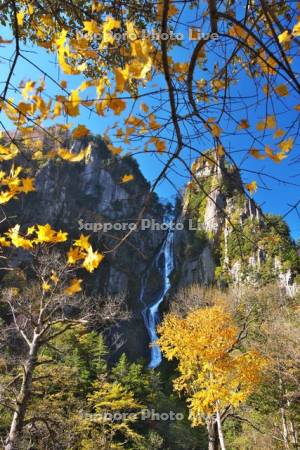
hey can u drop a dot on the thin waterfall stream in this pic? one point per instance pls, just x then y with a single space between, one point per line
151 312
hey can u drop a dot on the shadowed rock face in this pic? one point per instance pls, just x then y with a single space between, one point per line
74 196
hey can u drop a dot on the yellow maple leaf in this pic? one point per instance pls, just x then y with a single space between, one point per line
74 255
54 277
215 129
127 178
114 150
268 122
82 242
121 77
144 107
46 234
218 84
171 11
61 236
71 157
27 185
80 131
91 27
278 133
63 51
244 124
67 68
282 90
256 153
152 122
284 37
117 105
46 286
276 157
20 18
181 68
92 260
4 242
8 153
251 187
159 144
72 104
107 37
29 86
286 145
17 240
74 287
30 230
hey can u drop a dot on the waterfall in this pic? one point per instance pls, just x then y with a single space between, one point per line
151 312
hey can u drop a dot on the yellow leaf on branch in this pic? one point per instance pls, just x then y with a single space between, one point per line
91 27
107 35
74 157
251 187
276 157
74 287
117 105
20 18
268 122
244 124
278 133
256 153
92 260
114 150
159 144
82 242
80 131
286 145
282 90
8 153
284 37
127 178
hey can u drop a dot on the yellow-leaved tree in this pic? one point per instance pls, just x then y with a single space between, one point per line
215 374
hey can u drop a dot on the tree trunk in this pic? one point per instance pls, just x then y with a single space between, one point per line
285 432
23 397
220 431
293 431
212 431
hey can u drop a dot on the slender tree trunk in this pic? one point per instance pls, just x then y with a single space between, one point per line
212 431
23 397
285 431
294 437
220 431
293 431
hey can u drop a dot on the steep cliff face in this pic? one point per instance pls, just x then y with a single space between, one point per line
82 197
225 237
232 241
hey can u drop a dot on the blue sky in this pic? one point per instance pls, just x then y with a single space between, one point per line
274 196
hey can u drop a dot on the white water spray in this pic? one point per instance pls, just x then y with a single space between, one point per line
151 312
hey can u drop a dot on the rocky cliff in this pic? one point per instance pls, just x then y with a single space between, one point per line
226 238
84 196
232 241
